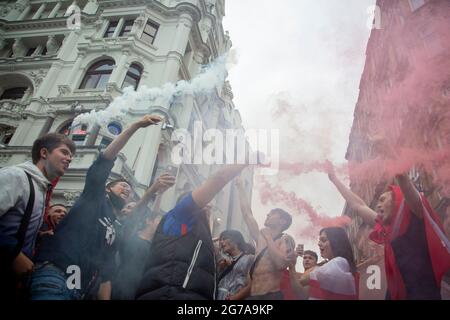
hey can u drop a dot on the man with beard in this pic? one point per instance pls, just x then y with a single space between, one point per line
69 263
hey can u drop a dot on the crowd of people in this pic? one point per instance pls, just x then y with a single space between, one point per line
110 245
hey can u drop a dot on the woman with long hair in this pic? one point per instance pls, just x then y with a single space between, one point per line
337 279
233 279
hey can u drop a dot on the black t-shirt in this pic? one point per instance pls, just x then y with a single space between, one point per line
86 237
414 262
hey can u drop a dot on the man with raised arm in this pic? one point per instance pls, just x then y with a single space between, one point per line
68 264
416 249
182 262
274 250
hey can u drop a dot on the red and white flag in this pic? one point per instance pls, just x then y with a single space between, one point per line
333 281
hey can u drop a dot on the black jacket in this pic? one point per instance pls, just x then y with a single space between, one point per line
181 267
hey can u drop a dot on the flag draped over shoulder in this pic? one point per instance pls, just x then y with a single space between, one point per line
333 281
437 243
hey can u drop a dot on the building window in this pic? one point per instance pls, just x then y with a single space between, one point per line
78 134
30 52
416 4
14 93
133 77
115 128
98 75
150 31
126 29
111 29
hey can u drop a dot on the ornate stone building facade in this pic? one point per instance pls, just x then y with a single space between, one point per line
51 71
412 34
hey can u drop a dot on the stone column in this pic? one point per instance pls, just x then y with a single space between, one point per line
47 125
49 80
178 47
118 28
24 13
138 24
52 45
101 26
66 51
18 47
119 70
75 70
2 43
55 10
17 9
39 12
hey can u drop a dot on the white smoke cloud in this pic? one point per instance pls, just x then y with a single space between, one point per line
210 77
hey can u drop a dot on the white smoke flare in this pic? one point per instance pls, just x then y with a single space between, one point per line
210 77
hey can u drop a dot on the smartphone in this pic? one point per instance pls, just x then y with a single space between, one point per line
172 170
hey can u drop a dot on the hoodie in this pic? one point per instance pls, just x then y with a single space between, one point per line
14 195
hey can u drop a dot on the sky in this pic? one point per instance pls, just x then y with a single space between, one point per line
307 57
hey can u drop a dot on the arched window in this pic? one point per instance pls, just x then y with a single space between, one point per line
98 75
133 76
16 93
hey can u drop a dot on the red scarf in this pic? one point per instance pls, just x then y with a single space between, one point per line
437 242
48 197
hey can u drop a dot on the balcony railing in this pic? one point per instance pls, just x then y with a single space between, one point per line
13 108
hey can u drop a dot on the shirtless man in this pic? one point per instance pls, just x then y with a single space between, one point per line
273 250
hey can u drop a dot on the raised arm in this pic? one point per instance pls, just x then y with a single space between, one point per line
164 182
208 189
412 196
353 200
118 143
246 209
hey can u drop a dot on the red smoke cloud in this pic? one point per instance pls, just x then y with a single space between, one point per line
299 207
406 101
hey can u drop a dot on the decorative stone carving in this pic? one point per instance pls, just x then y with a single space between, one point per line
4 159
112 88
77 158
140 20
5 10
15 109
99 24
63 90
206 26
199 58
210 5
21 5
52 45
38 76
71 197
